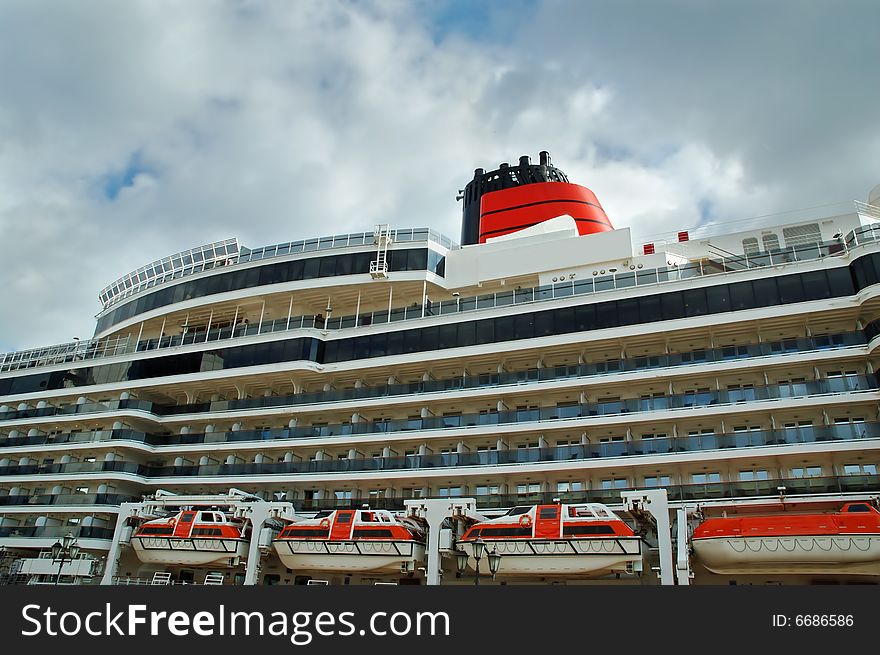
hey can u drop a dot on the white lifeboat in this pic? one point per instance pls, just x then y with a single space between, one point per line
843 541
191 538
583 540
352 541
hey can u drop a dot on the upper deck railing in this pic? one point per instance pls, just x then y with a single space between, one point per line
229 253
700 268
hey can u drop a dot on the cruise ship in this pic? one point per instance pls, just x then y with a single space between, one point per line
548 402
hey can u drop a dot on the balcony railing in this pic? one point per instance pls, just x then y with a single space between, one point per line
617 449
703 356
113 500
99 348
51 532
843 484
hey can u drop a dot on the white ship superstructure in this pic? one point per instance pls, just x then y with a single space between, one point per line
368 371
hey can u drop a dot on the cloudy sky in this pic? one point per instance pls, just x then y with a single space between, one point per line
132 130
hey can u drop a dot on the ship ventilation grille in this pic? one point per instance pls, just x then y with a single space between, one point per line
800 235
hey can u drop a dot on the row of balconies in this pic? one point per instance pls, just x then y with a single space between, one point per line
425 386
558 416
289 464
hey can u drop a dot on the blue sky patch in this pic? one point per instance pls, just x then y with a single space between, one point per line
117 180
480 20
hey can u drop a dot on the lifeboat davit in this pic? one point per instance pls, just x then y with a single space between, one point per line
846 541
192 538
545 540
352 541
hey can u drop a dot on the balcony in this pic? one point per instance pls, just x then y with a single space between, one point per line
486 381
610 450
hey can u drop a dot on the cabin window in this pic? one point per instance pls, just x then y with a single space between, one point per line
187 518
860 469
751 476
516 511
445 492
704 478
657 481
806 472
344 517
376 533
506 532
615 483
549 512
858 508
566 486
798 424
208 516
206 532
579 530
149 530
306 532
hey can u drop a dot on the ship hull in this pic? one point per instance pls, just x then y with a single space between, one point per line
824 554
190 552
349 556
576 557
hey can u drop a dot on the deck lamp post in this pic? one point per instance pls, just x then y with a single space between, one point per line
479 548
64 551
494 562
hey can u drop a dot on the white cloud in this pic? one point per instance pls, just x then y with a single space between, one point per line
274 121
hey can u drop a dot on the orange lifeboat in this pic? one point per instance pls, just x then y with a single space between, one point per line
845 541
352 541
192 538
544 540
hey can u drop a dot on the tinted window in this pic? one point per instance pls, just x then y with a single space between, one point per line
650 309
467 333
544 324
606 315
741 296
584 317
628 311
695 302
673 305
575 530
523 326
766 292
718 299
791 289
840 282
549 512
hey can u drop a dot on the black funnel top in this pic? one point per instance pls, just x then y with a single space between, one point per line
504 177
